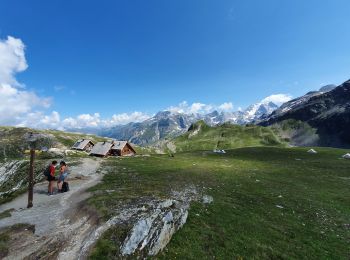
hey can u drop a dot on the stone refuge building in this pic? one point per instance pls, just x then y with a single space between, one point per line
83 145
113 148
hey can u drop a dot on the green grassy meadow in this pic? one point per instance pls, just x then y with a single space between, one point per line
226 136
269 202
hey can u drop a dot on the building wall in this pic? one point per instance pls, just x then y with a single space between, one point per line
88 147
127 151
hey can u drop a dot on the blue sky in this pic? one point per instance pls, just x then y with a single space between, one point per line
113 57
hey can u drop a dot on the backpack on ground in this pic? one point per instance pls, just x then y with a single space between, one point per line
47 171
65 186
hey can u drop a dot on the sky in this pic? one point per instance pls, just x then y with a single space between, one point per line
67 63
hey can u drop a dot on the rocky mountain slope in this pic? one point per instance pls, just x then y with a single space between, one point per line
327 112
297 102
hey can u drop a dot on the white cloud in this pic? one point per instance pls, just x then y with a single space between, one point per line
39 119
82 121
95 120
199 108
227 106
15 101
124 118
12 60
277 99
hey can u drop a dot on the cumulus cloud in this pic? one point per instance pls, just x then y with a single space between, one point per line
277 99
12 60
124 118
227 106
95 120
39 119
199 108
82 121
15 101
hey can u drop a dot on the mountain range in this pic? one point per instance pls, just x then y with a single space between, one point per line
325 113
166 124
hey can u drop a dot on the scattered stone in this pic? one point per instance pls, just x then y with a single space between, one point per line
346 156
207 199
280 196
219 151
312 151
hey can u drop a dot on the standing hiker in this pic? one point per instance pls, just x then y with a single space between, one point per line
50 174
63 175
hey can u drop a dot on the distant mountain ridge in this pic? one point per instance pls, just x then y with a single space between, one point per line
327 111
297 102
166 124
323 111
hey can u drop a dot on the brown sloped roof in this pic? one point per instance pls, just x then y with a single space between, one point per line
101 148
118 145
80 144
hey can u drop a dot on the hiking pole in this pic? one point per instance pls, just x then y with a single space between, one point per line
31 178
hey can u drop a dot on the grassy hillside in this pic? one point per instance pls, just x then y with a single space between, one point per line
227 136
269 202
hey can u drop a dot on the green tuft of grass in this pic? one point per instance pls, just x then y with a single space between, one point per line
6 213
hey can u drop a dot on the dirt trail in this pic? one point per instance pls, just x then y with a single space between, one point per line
57 219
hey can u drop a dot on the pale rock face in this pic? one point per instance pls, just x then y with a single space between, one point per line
7 170
154 223
138 234
154 230
346 156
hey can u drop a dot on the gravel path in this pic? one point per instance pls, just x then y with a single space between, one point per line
53 216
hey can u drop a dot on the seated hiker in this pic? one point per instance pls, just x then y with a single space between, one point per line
63 175
51 177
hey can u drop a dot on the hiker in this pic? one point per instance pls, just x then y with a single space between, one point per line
63 175
51 177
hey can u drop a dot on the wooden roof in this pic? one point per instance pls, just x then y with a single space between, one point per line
119 145
81 144
101 148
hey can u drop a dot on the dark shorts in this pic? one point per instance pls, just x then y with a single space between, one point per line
50 178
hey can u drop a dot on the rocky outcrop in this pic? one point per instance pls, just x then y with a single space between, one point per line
152 222
8 170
